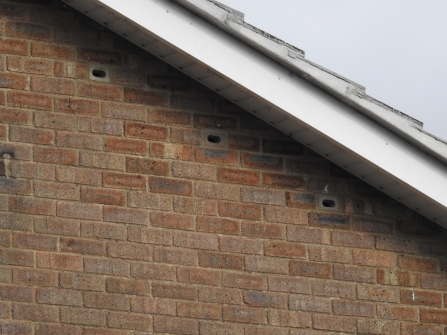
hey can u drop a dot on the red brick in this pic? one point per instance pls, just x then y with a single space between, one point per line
146 131
284 249
193 171
175 325
123 111
13 327
241 142
172 151
170 186
82 316
198 276
100 91
175 221
221 260
102 161
283 181
35 241
285 215
35 277
32 205
125 215
336 221
76 175
52 85
244 314
14 186
28 30
194 205
337 323
174 291
76 140
263 162
185 136
79 210
147 166
330 255
221 328
195 240
76 106
264 299
107 266
80 281
153 306
374 258
352 239
240 211
329 288
367 326
135 147
395 277
103 196
16 293
262 230
434 316
217 156
310 269
55 329
217 225
415 328
418 297
31 170
413 263
166 116
56 226
149 200
238 176
3 131
354 308
47 260
266 264
300 200
14 47
57 296
130 251
127 286
152 271
240 245
98 56
56 190
35 313
100 125
244 281
70 70
55 156
31 135
17 151
129 321
149 235
216 191
220 295
377 293
54 121
262 196
433 281
354 273
126 181
397 312
214 121
144 97
12 80
199 311
16 257
29 100
81 246
289 284
175 255
286 318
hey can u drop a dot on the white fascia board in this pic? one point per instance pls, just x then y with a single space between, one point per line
276 85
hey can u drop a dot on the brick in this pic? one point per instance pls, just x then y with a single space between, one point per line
300 200
393 243
47 260
170 186
354 308
211 224
15 186
153 306
288 284
377 293
193 171
220 328
152 271
54 121
125 215
372 225
57 296
55 156
334 186
16 257
175 255
260 330
123 180
241 142
292 319
262 196
214 122
13 47
366 326
329 220
194 205
198 276
334 289
31 135
174 291
336 323
238 176
172 83
374 258
166 116
123 111
414 328
285 215
283 181
17 151
397 313
70 70
13 327
352 239
127 286
13 81
146 131
134 147
266 264
56 190
54 329
79 210
433 316
175 325
52 85
419 297
82 316
216 191
262 162
31 170
330 255
239 211
103 196
195 240
3 132
400 278
100 125
244 314
35 277
82 246
199 310
102 161
413 263
130 251
16 293
35 241
244 281
310 304
27 30
129 321
76 140
284 249
433 281
310 269
115 267
215 156
145 97
149 235
32 205
56 226
35 313
100 91
191 103
219 295
29 100
147 166
308 166
98 56
264 299
76 175
221 260
129 78
185 136
282 147
76 106
149 200
262 230
240 245
354 273
5 274
172 151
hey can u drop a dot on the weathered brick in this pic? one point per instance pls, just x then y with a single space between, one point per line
76 106
152 271
266 264
329 220
310 269
76 140
175 255
146 131
103 196
185 136
217 225
54 120
134 147
220 295
221 328
372 225
32 205
337 323
329 288
35 241
29 100
54 329
147 166
129 321
244 281
83 176
70 70
57 296
397 312
195 240
262 162
198 276
244 314
55 156
172 151
355 308
35 277
56 190
238 176
352 239
98 56
377 293
300 200
242 142
174 291
170 186
100 91
262 196
100 125
13 81
82 246
310 304
284 249
286 318
56 226
27 30
14 47
31 135
216 191
148 305
214 121
285 215
240 211
30 170
216 156
115 267
15 186
413 263
14 327
400 278
79 210
194 205
265 299
354 273
35 313
52 85
126 215
130 250
102 160
414 328
193 171
47 260
433 281
419 297
288 284
221 260
124 180
373 327
329 254
283 181
175 325
262 230
199 310
240 245
149 235
191 103
82 316
167 116
434 316
149 200
144 97
127 286
374 258
16 257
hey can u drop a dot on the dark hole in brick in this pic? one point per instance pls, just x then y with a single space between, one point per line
329 203
99 73
214 139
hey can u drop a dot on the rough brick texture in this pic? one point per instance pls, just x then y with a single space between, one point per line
116 219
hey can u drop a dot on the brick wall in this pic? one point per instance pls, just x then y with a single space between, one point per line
118 217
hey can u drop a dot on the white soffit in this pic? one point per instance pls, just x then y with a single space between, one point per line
271 79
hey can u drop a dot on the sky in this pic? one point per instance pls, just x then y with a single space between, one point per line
397 49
